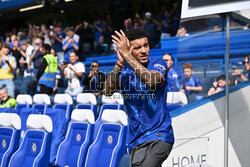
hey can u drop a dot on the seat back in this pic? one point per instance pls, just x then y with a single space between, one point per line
23 101
116 98
24 114
34 149
63 99
41 108
87 101
66 108
59 131
103 108
10 124
110 144
41 99
176 98
79 137
86 98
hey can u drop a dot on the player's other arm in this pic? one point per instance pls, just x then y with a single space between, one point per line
112 82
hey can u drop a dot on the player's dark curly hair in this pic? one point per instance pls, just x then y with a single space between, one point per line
133 34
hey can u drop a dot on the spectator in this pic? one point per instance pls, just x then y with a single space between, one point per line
102 47
20 37
216 28
182 32
37 55
127 24
137 24
246 27
237 73
7 68
166 25
70 44
46 34
218 86
98 29
85 32
58 73
94 81
28 54
150 27
173 77
16 52
109 29
57 39
6 100
46 75
74 72
190 84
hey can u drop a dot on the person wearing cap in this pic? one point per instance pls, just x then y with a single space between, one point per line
6 100
7 68
150 27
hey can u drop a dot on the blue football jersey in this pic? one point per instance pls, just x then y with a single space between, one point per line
146 108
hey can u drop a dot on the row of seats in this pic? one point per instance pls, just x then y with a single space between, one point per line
87 101
93 143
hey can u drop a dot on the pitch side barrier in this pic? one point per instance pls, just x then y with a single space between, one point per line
199 130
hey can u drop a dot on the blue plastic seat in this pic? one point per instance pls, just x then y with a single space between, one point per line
23 101
24 114
87 101
59 131
73 150
110 144
41 102
10 124
65 102
35 148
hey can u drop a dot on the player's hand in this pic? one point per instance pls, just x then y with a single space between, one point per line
122 43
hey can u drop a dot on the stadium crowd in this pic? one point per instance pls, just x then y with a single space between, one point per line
23 62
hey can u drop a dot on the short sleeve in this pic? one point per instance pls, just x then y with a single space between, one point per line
159 66
80 67
197 82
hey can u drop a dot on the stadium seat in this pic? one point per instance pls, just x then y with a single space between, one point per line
73 150
10 124
41 102
110 144
24 114
35 148
65 102
116 98
175 100
59 131
103 108
23 101
87 101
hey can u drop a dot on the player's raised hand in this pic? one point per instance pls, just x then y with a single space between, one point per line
122 43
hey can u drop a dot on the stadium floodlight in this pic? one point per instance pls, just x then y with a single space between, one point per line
31 7
68 0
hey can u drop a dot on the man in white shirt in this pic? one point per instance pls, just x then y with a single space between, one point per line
74 72
28 53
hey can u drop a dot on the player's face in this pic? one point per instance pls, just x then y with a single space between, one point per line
140 50
188 72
